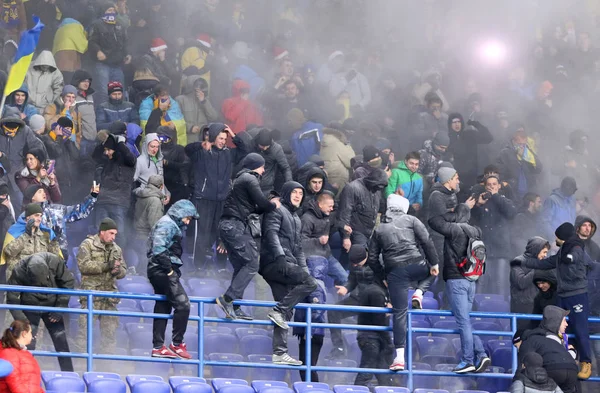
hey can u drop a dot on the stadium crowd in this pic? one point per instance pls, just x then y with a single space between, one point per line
290 148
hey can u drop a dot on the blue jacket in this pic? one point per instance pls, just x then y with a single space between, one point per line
317 267
107 113
557 210
133 131
257 84
57 217
165 238
307 141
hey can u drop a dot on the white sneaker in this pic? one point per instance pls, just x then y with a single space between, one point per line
286 359
417 302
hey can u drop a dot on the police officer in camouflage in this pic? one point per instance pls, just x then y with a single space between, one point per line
101 263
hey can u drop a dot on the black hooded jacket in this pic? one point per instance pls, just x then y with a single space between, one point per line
110 39
591 247
176 165
360 201
522 288
314 225
535 380
441 201
555 355
281 231
246 197
310 196
494 220
44 270
543 299
275 160
115 175
456 231
462 148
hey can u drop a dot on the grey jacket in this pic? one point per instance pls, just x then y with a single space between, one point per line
195 113
145 166
522 288
44 86
148 209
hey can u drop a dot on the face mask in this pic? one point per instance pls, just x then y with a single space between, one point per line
10 131
110 18
115 102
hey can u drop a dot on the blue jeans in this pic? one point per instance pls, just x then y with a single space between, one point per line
461 293
118 214
105 74
336 271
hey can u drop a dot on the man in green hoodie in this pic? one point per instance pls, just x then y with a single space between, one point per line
407 182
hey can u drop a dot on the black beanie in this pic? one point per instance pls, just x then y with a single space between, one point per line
30 192
264 138
357 254
253 161
65 122
111 143
565 231
370 153
39 154
118 128
107 224
33 208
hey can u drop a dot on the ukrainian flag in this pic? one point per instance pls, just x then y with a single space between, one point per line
23 57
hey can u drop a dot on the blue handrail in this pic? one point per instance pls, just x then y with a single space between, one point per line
201 319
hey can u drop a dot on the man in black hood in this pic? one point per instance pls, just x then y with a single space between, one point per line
176 164
545 281
548 341
533 377
275 160
360 202
314 186
522 288
586 229
463 141
283 266
572 265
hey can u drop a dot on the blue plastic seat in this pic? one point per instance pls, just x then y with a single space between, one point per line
495 344
300 387
429 391
219 383
259 385
243 332
227 372
48 375
66 384
107 385
151 387
134 379
433 346
193 388
493 306
236 389
471 391
137 287
493 326
128 303
391 389
256 344
216 329
92 376
220 343
270 374
135 328
350 389
178 380
502 357
147 305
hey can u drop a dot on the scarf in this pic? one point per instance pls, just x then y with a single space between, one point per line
11 132
165 119
110 18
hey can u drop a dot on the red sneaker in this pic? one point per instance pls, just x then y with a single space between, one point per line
180 350
163 352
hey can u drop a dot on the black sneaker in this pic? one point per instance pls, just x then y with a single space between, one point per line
278 319
483 364
227 307
464 367
240 314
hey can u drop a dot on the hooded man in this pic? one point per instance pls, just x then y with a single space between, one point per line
159 109
238 110
522 288
314 161
371 160
586 229
314 185
572 265
275 160
360 202
399 239
197 109
44 270
84 107
116 108
150 162
283 266
176 164
462 146
432 155
527 223
148 210
211 164
307 136
548 340
533 378
545 281
18 99
164 263
239 230
44 80
560 206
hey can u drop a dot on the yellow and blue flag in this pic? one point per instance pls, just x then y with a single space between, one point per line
23 57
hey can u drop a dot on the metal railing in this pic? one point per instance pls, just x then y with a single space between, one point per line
201 362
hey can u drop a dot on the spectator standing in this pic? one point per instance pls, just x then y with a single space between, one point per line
84 107
545 281
150 162
176 164
337 154
307 136
70 43
44 80
148 210
19 99
153 62
100 261
560 206
64 106
197 109
164 263
275 160
26 375
44 270
37 171
406 177
238 110
586 229
432 156
237 227
116 108
431 122
371 160
527 223
159 109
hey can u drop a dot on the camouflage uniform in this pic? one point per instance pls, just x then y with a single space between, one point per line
27 245
96 260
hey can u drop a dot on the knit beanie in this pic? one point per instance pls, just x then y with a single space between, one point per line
33 208
64 122
446 174
357 254
114 86
111 143
37 122
441 139
370 153
253 161
565 231
264 137
30 192
107 224
68 89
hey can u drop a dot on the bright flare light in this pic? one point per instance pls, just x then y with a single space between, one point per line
493 52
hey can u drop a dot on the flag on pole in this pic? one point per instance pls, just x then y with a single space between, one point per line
23 57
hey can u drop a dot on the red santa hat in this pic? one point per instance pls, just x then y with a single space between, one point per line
280 53
158 44
205 40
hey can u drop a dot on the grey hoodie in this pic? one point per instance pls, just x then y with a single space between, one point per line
44 86
148 206
195 113
146 166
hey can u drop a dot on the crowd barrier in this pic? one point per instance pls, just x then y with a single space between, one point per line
201 362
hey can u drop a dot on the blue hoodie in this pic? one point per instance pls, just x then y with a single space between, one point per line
558 209
307 141
317 267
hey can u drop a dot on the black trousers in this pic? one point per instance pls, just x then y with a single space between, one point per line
206 228
376 352
566 379
242 250
289 284
177 300
337 316
316 344
57 334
